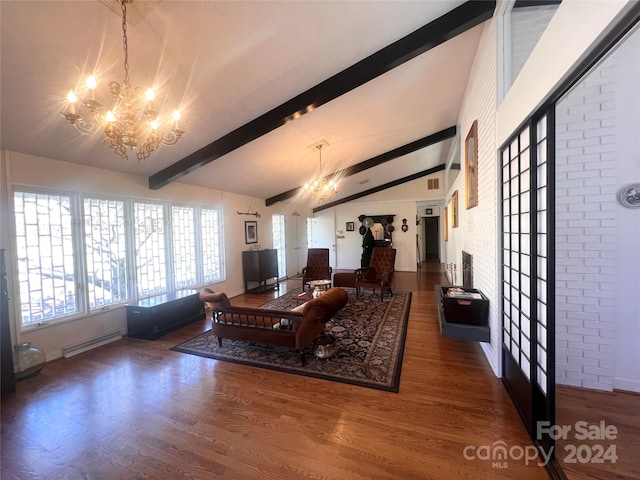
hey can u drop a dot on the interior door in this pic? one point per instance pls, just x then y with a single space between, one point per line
527 275
295 244
432 242
323 235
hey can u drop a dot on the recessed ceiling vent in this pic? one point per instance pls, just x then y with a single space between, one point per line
433 184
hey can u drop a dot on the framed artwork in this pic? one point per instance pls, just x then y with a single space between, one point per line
351 226
446 224
251 231
454 209
471 166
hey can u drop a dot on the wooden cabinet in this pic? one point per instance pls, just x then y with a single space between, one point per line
153 317
259 267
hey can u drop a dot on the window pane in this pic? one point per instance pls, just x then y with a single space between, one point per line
149 236
105 251
184 246
211 244
46 273
278 227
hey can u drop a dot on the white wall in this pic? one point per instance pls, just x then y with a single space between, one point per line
627 221
585 231
349 248
598 261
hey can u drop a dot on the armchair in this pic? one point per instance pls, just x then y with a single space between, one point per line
317 266
379 273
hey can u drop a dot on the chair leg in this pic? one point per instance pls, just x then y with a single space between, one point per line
219 341
302 358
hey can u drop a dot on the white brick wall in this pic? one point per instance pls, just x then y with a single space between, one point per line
477 233
585 235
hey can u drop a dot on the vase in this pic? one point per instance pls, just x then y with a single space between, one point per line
27 360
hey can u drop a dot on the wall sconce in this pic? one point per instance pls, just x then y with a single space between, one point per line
404 227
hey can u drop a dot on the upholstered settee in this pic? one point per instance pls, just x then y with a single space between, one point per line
295 328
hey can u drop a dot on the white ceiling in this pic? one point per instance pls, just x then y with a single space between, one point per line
226 63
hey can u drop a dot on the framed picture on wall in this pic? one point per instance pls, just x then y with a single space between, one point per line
351 226
429 211
251 231
446 223
454 209
471 166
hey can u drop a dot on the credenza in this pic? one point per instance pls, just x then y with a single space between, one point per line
258 268
155 316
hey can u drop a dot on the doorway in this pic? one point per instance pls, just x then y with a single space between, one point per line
431 239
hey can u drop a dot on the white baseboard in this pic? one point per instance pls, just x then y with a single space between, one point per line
626 384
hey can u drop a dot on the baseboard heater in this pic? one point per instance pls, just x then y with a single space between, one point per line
71 350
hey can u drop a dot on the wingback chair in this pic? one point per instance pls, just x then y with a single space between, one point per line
379 273
317 266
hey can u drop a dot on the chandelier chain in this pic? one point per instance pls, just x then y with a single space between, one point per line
124 42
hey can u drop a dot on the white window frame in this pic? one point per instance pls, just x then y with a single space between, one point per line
77 262
128 240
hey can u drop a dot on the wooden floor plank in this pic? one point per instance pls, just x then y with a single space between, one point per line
136 409
616 409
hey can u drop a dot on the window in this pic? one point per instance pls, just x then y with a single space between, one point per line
45 253
211 229
309 232
277 224
105 251
184 246
78 254
149 234
522 26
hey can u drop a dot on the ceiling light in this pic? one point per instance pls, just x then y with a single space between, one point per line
131 123
320 189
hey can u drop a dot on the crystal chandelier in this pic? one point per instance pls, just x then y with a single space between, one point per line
321 189
131 123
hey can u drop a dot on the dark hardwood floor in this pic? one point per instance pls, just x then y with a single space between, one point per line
134 409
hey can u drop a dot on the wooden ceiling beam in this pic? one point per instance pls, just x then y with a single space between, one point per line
380 188
375 161
449 25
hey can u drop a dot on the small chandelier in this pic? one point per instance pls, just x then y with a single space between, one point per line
131 123
321 189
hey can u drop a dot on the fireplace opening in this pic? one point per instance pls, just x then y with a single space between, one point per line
467 270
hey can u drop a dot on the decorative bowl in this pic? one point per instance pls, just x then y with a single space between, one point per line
325 346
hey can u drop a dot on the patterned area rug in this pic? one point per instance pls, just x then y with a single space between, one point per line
370 333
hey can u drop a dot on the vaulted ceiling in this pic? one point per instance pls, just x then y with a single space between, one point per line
258 82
